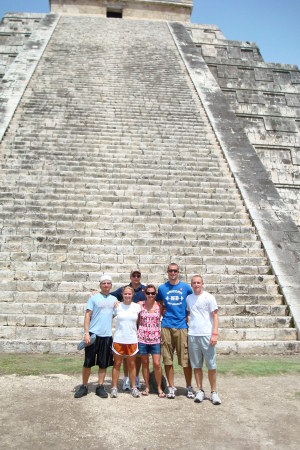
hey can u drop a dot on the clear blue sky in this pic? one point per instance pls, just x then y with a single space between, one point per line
273 24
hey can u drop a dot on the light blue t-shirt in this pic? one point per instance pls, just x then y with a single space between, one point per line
174 298
102 308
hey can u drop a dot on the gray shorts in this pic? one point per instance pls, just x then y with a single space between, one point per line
200 349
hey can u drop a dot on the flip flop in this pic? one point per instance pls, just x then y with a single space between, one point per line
161 394
145 392
82 344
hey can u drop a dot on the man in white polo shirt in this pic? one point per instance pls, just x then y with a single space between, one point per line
203 337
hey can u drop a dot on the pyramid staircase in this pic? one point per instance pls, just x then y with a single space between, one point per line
110 163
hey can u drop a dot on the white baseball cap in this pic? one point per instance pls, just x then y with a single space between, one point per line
105 277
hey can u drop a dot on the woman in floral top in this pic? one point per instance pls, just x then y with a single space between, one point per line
149 338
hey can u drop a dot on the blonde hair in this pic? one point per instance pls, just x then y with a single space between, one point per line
128 287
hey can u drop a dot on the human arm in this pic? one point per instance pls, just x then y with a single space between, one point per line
214 336
86 325
162 308
118 294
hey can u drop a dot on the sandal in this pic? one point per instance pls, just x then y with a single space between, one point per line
161 394
145 392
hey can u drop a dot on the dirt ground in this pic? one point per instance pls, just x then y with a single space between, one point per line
40 412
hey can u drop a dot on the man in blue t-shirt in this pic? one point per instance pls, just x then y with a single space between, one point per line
172 296
98 320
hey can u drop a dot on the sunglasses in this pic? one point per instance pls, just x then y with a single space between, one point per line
150 293
172 270
137 275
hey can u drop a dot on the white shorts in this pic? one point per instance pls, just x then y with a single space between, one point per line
200 349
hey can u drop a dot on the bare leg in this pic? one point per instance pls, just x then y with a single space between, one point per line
212 376
157 371
170 374
132 370
86 372
145 370
116 370
198 377
125 367
138 363
101 375
188 373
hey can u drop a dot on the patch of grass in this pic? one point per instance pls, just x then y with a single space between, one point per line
259 365
254 365
40 364
43 364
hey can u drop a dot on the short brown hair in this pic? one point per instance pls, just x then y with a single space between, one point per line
197 275
150 286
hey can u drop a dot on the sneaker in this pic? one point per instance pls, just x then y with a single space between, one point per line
83 390
171 392
214 398
126 384
137 382
135 392
101 392
189 392
114 393
200 396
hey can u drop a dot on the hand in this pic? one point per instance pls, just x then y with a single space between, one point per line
87 339
116 304
213 339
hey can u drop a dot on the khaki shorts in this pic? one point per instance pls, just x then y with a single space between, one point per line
175 339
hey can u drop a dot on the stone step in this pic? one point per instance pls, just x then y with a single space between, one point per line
124 210
254 296
66 320
236 238
222 282
224 347
120 215
52 331
77 311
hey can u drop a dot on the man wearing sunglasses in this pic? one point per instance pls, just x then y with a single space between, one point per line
138 296
172 296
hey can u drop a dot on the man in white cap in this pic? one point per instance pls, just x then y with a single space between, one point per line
98 320
138 296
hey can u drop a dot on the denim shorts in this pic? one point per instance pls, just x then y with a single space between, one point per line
149 349
200 349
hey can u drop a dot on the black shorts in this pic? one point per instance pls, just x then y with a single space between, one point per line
100 353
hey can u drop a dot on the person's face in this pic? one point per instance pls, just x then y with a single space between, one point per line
197 285
127 296
173 273
150 294
135 279
105 287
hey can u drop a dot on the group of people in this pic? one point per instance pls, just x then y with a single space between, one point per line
175 318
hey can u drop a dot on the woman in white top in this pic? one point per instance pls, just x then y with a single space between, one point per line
125 342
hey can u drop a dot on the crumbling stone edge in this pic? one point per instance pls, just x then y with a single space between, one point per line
18 75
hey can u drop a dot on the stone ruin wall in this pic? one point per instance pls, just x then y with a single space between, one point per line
173 10
266 99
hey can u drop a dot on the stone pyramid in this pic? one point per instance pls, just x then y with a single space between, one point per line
120 150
